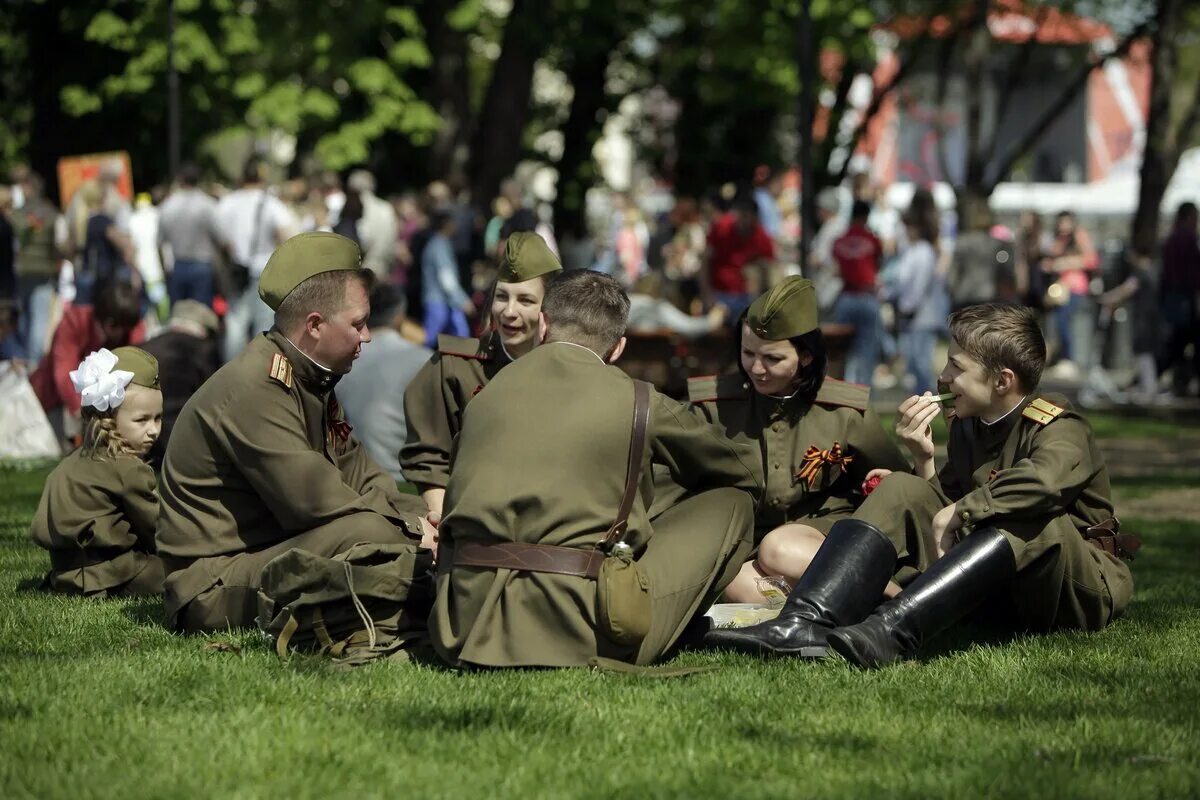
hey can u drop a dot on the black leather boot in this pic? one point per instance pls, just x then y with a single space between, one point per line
954 585
843 583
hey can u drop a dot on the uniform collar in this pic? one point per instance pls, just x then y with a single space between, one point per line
997 431
581 347
314 376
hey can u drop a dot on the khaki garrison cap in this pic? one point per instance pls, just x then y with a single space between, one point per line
300 258
526 256
143 365
196 312
788 310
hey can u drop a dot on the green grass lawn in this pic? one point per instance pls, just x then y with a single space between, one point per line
97 700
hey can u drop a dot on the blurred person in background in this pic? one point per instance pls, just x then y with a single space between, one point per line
446 303
348 219
187 228
822 270
42 238
916 295
736 241
373 392
1070 262
104 253
252 222
143 232
1179 295
112 321
188 353
858 253
377 227
766 190
8 247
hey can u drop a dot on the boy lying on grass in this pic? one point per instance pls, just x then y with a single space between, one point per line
1020 511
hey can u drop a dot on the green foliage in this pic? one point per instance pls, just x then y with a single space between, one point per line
332 76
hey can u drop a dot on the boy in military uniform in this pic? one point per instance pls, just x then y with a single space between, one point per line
538 478
435 399
1021 508
262 461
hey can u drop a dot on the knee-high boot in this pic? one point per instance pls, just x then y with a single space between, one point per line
843 583
954 585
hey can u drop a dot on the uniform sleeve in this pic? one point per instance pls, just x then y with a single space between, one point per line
698 454
139 496
298 485
874 449
1046 482
425 456
364 474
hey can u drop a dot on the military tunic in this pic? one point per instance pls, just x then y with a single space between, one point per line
1038 476
814 465
97 517
436 398
548 466
262 461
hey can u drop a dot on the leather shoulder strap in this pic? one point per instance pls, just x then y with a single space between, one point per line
633 468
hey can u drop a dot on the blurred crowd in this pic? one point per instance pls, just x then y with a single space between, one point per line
178 267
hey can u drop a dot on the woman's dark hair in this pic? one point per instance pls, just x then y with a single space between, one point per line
811 377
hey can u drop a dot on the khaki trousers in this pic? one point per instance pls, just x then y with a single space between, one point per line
697 548
229 598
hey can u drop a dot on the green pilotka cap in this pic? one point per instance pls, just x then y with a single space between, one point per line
143 365
300 258
526 256
788 310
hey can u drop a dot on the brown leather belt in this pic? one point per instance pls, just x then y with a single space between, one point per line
1107 537
530 558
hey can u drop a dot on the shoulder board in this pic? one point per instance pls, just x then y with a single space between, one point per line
461 346
710 388
1042 411
281 369
839 393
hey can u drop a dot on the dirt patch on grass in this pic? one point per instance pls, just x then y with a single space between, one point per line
1166 504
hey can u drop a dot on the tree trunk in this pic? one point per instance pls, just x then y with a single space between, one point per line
496 146
1160 154
450 93
576 168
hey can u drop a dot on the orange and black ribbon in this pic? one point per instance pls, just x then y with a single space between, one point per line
339 429
816 460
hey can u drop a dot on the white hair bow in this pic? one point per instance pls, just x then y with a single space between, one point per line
99 385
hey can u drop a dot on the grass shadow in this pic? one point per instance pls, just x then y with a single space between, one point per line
145 611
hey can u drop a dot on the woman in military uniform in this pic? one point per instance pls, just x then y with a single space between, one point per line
435 399
818 436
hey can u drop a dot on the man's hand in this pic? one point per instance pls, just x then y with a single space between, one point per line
429 533
945 527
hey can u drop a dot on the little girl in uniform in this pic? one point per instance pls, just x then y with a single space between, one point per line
99 506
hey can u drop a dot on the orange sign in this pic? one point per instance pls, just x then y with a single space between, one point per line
74 171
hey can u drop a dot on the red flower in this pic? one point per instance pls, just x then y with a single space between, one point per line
870 483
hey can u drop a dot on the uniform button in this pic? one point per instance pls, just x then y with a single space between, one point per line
966 515
776 466
987 508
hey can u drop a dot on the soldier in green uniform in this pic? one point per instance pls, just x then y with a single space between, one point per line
99 505
1021 511
461 367
539 474
817 436
262 460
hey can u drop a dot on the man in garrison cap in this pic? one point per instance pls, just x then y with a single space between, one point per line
262 460
437 396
